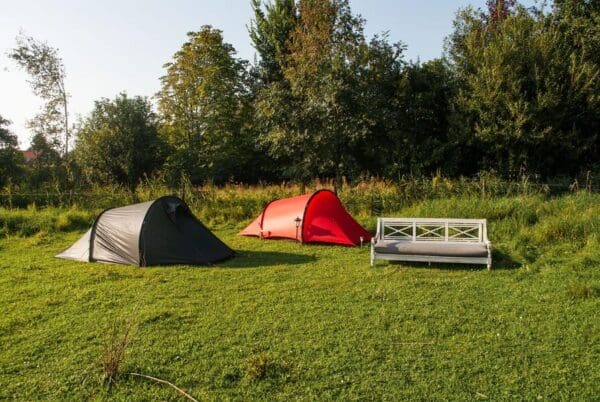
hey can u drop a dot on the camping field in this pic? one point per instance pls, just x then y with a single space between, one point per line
284 321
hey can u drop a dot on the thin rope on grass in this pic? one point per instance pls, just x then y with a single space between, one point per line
191 398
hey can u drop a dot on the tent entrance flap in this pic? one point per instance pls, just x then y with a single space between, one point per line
80 250
183 238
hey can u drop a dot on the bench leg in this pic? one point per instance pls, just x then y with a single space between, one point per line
372 256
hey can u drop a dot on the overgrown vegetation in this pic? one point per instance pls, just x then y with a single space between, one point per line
114 350
31 221
220 205
227 206
288 321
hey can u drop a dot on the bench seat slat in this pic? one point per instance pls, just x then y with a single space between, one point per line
431 248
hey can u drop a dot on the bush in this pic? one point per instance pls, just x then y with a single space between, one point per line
30 221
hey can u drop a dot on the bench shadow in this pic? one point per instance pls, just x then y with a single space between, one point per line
254 259
438 265
500 261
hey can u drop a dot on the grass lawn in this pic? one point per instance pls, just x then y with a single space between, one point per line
285 321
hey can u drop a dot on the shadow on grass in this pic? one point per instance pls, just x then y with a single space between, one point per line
255 259
500 261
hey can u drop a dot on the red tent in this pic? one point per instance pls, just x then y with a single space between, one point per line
311 218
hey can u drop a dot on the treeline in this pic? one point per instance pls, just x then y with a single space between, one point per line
517 92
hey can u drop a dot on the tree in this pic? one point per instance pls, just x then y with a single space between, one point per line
270 32
203 103
322 71
346 107
426 91
47 79
498 11
407 108
273 104
119 142
11 159
529 91
7 138
47 168
577 23
379 151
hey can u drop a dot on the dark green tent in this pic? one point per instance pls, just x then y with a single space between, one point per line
159 232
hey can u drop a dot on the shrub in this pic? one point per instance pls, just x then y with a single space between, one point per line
257 366
30 221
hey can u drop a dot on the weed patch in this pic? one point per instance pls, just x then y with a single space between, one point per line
114 350
261 366
582 291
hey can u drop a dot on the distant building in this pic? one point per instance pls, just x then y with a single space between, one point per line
30 155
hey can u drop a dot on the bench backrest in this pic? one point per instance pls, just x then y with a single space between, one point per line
432 230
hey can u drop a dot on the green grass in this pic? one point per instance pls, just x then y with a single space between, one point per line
285 321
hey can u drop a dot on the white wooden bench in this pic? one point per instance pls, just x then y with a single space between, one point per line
432 240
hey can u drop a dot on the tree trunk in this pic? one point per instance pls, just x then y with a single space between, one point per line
338 183
67 134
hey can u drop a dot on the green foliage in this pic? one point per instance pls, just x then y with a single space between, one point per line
11 160
378 151
48 168
274 106
31 221
270 32
529 89
203 103
518 94
7 139
425 143
326 54
345 106
47 79
119 142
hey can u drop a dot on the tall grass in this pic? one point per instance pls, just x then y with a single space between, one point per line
368 195
234 204
528 227
237 202
33 220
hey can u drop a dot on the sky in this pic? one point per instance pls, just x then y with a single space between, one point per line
114 46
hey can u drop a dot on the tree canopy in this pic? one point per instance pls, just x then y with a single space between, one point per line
119 141
516 92
11 159
47 79
203 103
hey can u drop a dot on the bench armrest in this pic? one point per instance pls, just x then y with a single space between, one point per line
376 237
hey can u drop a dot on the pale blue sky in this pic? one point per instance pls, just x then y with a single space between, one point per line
111 46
